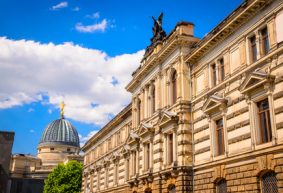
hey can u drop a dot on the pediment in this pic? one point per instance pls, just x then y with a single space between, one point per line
167 117
133 137
254 80
125 149
145 127
213 103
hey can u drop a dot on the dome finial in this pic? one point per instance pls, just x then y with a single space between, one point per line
62 106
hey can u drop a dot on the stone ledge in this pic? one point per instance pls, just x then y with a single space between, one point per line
202 139
238 125
202 150
201 128
278 95
237 113
278 110
239 138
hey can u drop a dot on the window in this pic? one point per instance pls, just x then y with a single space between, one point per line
134 163
220 148
221 186
171 188
269 183
174 87
153 100
221 70
213 75
264 41
52 149
253 49
109 144
116 173
170 148
68 149
264 121
147 156
118 137
139 112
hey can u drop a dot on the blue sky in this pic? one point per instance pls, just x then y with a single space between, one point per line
82 52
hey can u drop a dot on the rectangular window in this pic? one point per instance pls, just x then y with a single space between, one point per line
221 70
213 75
147 154
170 148
109 144
264 121
219 137
253 49
118 138
264 41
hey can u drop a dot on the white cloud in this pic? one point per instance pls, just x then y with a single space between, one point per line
31 131
83 140
76 9
60 5
92 28
48 73
95 15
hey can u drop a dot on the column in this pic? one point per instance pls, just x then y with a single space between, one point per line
252 122
142 106
91 182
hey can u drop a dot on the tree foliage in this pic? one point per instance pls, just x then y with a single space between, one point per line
65 178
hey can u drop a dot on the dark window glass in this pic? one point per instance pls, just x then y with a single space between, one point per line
139 111
174 87
222 69
147 155
264 121
269 183
264 41
253 49
172 189
221 186
170 149
220 137
213 74
153 100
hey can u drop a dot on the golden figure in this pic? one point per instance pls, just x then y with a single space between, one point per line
62 106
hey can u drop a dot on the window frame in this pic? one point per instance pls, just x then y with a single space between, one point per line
174 86
217 141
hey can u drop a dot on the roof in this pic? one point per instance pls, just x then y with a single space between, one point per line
60 132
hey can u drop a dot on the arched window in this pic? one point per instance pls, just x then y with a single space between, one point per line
221 186
148 190
171 188
269 183
153 100
174 87
138 111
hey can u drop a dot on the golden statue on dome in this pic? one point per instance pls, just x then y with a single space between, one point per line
62 107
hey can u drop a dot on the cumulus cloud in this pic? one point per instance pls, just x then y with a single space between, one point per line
101 26
60 5
48 73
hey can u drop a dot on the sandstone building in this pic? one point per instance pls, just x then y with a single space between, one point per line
59 144
206 114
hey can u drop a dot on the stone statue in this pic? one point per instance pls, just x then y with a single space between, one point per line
158 33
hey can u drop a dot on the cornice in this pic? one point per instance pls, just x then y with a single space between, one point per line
232 22
169 45
115 121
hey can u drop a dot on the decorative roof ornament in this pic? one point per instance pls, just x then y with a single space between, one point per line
62 107
158 33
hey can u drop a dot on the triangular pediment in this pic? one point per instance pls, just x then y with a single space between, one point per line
144 128
167 117
254 80
213 103
125 149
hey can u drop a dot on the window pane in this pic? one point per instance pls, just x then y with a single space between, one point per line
253 49
222 186
269 183
264 121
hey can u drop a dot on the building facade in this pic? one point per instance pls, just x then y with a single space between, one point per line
205 114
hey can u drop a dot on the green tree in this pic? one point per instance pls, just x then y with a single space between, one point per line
65 178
